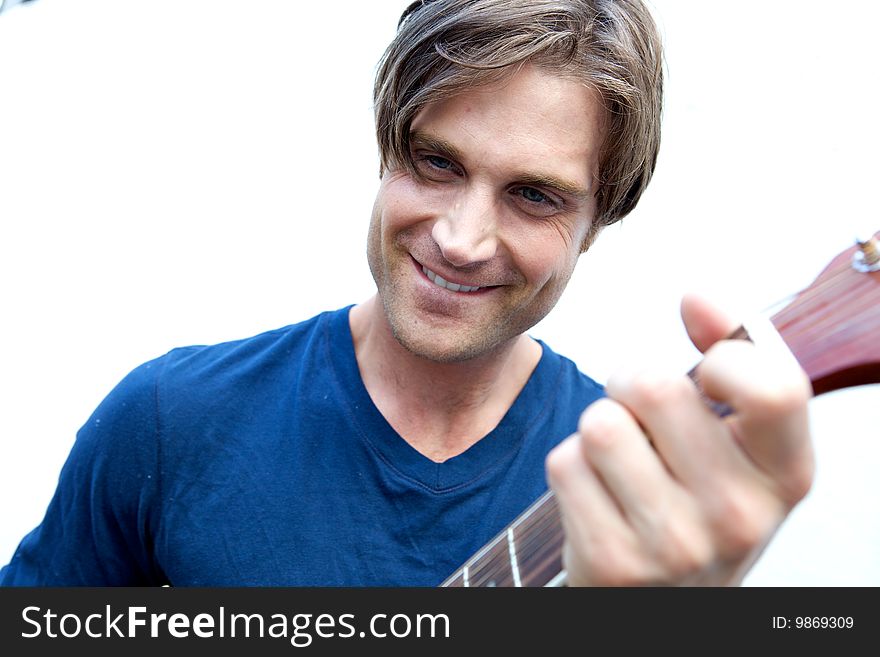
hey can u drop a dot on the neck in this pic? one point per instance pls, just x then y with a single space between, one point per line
440 409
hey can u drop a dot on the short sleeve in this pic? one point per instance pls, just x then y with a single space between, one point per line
98 527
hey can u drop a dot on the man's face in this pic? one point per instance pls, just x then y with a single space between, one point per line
478 248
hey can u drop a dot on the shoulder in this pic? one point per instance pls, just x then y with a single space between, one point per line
249 357
191 397
567 370
569 384
192 380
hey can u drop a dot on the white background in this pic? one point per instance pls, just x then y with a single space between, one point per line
201 170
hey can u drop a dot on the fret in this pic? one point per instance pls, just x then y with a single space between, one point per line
540 542
493 569
488 567
560 580
514 569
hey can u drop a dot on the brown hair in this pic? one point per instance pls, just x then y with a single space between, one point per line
444 47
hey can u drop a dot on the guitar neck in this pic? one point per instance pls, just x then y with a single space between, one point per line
527 553
831 328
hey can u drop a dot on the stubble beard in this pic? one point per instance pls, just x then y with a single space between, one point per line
471 340
421 340
416 337
391 273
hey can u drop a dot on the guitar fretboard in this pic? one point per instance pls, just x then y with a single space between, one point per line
527 553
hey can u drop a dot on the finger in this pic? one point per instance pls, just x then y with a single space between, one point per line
578 488
768 392
595 530
693 443
704 322
668 523
600 548
636 478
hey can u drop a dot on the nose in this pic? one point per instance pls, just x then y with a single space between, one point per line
467 232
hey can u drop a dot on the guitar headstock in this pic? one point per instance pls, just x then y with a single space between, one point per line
833 326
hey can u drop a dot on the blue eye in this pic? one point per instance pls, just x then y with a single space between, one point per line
438 162
436 167
535 202
532 195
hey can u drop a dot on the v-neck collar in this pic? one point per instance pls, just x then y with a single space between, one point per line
483 457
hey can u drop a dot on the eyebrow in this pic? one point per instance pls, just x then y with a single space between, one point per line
564 186
424 140
447 149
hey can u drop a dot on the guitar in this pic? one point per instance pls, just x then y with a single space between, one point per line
833 329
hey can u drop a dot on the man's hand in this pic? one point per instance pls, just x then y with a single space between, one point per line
655 489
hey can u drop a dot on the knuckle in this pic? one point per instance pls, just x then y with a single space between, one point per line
780 398
677 540
743 521
615 566
599 422
795 483
651 390
729 349
560 462
801 482
684 550
768 383
606 560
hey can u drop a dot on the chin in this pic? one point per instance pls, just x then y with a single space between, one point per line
446 348
446 356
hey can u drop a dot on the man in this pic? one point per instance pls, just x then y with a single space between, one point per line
383 444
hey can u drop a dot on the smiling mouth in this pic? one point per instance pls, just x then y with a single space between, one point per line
438 280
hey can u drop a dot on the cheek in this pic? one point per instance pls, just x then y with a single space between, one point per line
403 202
546 255
374 242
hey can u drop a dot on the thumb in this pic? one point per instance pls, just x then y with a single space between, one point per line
705 323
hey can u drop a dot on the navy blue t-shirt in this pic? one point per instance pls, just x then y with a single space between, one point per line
264 462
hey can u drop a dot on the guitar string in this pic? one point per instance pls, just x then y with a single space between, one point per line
814 336
530 537
492 561
814 289
827 294
477 556
498 569
491 549
540 529
542 545
784 304
819 324
815 327
533 534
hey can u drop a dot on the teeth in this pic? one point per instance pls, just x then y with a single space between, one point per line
442 282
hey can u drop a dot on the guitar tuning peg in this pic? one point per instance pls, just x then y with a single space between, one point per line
867 258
